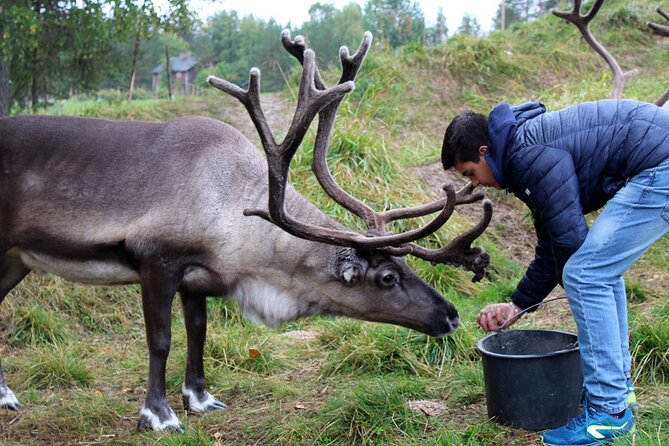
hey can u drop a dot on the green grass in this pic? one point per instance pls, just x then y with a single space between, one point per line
649 341
346 383
76 355
55 367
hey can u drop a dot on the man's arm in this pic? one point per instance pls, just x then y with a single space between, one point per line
540 278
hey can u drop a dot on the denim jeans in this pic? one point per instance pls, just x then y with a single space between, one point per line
636 217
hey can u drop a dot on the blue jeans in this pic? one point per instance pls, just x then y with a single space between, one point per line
636 217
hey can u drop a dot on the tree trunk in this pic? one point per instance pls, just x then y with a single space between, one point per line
46 93
135 58
5 93
34 88
503 18
169 72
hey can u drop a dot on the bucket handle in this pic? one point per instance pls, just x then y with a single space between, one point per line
527 309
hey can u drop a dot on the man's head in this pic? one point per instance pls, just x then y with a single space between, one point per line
464 148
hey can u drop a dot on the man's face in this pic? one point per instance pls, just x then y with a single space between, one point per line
479 173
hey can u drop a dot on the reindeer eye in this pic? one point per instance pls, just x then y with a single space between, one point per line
389 279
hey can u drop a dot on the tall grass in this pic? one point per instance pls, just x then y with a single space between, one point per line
649 341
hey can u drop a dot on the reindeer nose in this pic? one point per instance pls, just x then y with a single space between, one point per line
453 319
454 323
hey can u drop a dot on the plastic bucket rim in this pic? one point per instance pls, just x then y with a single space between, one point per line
484 352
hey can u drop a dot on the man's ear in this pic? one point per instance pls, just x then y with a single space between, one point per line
483 150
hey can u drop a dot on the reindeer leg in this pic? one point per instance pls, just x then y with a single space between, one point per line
195 396
12 271
7 398
159 284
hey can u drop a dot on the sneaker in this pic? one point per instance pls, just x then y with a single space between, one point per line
631 397
591 428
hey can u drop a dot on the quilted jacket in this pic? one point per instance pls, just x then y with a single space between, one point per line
565 164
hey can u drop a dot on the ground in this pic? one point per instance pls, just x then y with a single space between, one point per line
510 220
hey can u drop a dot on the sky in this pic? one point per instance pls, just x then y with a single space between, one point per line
297 11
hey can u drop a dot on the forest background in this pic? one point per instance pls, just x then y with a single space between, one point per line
56 49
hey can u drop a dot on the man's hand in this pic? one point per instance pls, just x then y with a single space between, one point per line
493 316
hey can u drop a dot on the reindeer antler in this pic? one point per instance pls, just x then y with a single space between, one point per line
315 98
661 30
582 21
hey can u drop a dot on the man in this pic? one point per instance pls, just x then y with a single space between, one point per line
612 154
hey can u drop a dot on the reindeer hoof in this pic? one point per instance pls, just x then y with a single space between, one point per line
8 399
11 406
203 403
148 420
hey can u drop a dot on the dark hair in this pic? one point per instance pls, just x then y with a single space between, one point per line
466 133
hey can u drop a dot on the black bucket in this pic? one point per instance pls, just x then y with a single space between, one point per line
533 378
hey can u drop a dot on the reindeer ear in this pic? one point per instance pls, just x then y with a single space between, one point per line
352 274
352 268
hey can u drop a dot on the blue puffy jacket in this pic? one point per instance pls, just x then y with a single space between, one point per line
565 164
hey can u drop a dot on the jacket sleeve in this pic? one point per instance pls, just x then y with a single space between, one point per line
539 279
549 179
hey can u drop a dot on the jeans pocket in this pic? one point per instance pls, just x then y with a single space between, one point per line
665 211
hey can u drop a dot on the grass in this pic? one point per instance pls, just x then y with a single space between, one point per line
317 381
649 341
76 355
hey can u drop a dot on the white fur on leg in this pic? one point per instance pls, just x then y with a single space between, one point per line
153 420
8 399
194 404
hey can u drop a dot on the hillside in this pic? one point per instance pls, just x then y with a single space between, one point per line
76 355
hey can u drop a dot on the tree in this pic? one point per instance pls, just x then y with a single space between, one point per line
17 36
395 22
545 6
328 28
59 47
320 31
49 47
89 48
521 11
260 46
469 25
238 44
223 33
143 19
439 32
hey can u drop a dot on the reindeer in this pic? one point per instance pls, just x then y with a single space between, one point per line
190 206
582 23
